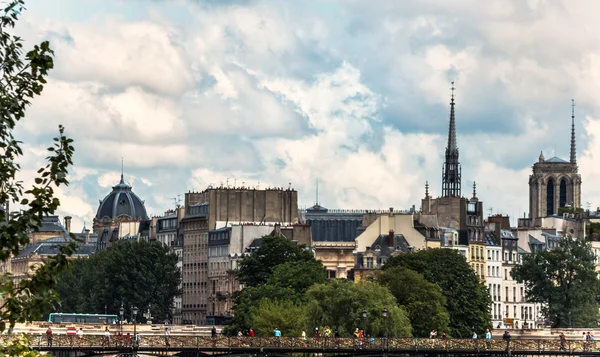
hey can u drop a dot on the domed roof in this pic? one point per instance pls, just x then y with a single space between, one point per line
121 202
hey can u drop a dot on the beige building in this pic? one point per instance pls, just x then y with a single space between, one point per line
215 208
336 256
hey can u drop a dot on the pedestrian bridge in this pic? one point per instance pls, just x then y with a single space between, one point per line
153 345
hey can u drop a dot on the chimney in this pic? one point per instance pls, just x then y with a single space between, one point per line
87 236
68 224
391 211
391 238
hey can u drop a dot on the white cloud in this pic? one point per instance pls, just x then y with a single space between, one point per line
351 93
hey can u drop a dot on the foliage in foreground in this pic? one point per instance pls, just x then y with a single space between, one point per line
142 274
339 304
22 77
423 301
286 280
565 281
468 301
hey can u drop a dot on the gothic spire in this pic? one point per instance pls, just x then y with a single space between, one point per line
452 127
573 154
451 171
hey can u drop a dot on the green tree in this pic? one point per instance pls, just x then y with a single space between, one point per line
287 284
423 301
467 299
285 315
564 280
142 274
256 268
22 77
339 304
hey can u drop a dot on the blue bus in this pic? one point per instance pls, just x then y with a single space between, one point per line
58 318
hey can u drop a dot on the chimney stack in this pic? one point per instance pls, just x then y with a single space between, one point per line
391 211
87 236
68 224
391 238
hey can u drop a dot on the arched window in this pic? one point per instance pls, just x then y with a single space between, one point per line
563 193
550 198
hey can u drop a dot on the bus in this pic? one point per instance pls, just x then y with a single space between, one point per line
58 318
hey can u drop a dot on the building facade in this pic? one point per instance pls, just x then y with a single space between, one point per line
216 208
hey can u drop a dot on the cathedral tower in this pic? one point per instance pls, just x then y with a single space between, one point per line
555 183
451 169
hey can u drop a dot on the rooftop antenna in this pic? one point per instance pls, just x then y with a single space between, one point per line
227 182
122 170
426 189
289 185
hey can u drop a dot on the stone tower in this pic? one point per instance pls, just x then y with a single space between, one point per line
555 182
451 169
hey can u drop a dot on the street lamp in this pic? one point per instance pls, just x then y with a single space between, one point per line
384 313
134 311
364 317
121 312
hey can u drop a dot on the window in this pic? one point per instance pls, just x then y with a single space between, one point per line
369 262
330 274
514 294
505 275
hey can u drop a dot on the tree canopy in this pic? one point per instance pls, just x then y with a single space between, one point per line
423 301
286 281
132 273
339 304
257 268
564 280
467 299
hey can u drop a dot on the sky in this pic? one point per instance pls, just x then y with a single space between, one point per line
354 94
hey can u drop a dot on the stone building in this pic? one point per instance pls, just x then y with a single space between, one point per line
555 183
46 242
121 215
215 208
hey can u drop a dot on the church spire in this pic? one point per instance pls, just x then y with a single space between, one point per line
452 127
451 169
573 153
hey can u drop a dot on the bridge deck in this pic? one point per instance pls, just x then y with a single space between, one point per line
223 344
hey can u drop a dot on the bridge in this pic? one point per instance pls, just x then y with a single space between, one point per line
198 346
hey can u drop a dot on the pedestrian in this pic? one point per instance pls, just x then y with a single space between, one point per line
488 338
251 333
167 334
563 342
106 336
49 336
474 340
213 332
506 338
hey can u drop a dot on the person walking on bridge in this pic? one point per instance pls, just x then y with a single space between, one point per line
49 336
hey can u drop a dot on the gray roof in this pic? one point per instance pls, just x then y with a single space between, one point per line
533 240
121 202
51 247
557 160
52 224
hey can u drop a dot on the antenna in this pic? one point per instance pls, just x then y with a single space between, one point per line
289 185
228 182
491 209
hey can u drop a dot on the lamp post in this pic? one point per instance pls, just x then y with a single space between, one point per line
134 311
121 312
364 317
384 313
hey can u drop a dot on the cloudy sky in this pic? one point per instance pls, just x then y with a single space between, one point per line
352 93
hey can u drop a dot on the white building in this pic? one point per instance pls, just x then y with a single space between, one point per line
494 277
169 234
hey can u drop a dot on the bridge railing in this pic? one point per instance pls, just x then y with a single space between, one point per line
224 342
